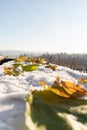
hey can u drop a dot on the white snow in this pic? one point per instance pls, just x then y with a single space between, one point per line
13 91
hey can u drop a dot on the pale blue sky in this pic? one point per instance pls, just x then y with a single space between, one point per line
44 25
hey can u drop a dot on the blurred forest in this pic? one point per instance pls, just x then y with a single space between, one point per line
73 61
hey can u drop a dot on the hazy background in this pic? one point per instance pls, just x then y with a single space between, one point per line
44 25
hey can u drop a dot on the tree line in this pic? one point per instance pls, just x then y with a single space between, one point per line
73 61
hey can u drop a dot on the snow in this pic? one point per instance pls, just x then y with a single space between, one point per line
72 121
13 91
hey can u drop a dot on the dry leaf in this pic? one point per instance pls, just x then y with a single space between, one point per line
20 59
65 89
82 80
11 71
35 60
53 67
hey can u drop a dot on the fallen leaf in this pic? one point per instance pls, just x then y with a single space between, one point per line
47 111
29 67
53 67
15 65
82 80
35 60
65 89
11 71
20 59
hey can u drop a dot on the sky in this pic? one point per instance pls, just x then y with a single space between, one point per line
44 25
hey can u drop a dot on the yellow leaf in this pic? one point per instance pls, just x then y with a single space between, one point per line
20 59
35 60
82 80
65 89
8 70
11 71
47 111
74 91
53 67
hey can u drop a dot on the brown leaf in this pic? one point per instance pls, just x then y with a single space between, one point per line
53 67
11 71
65 89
